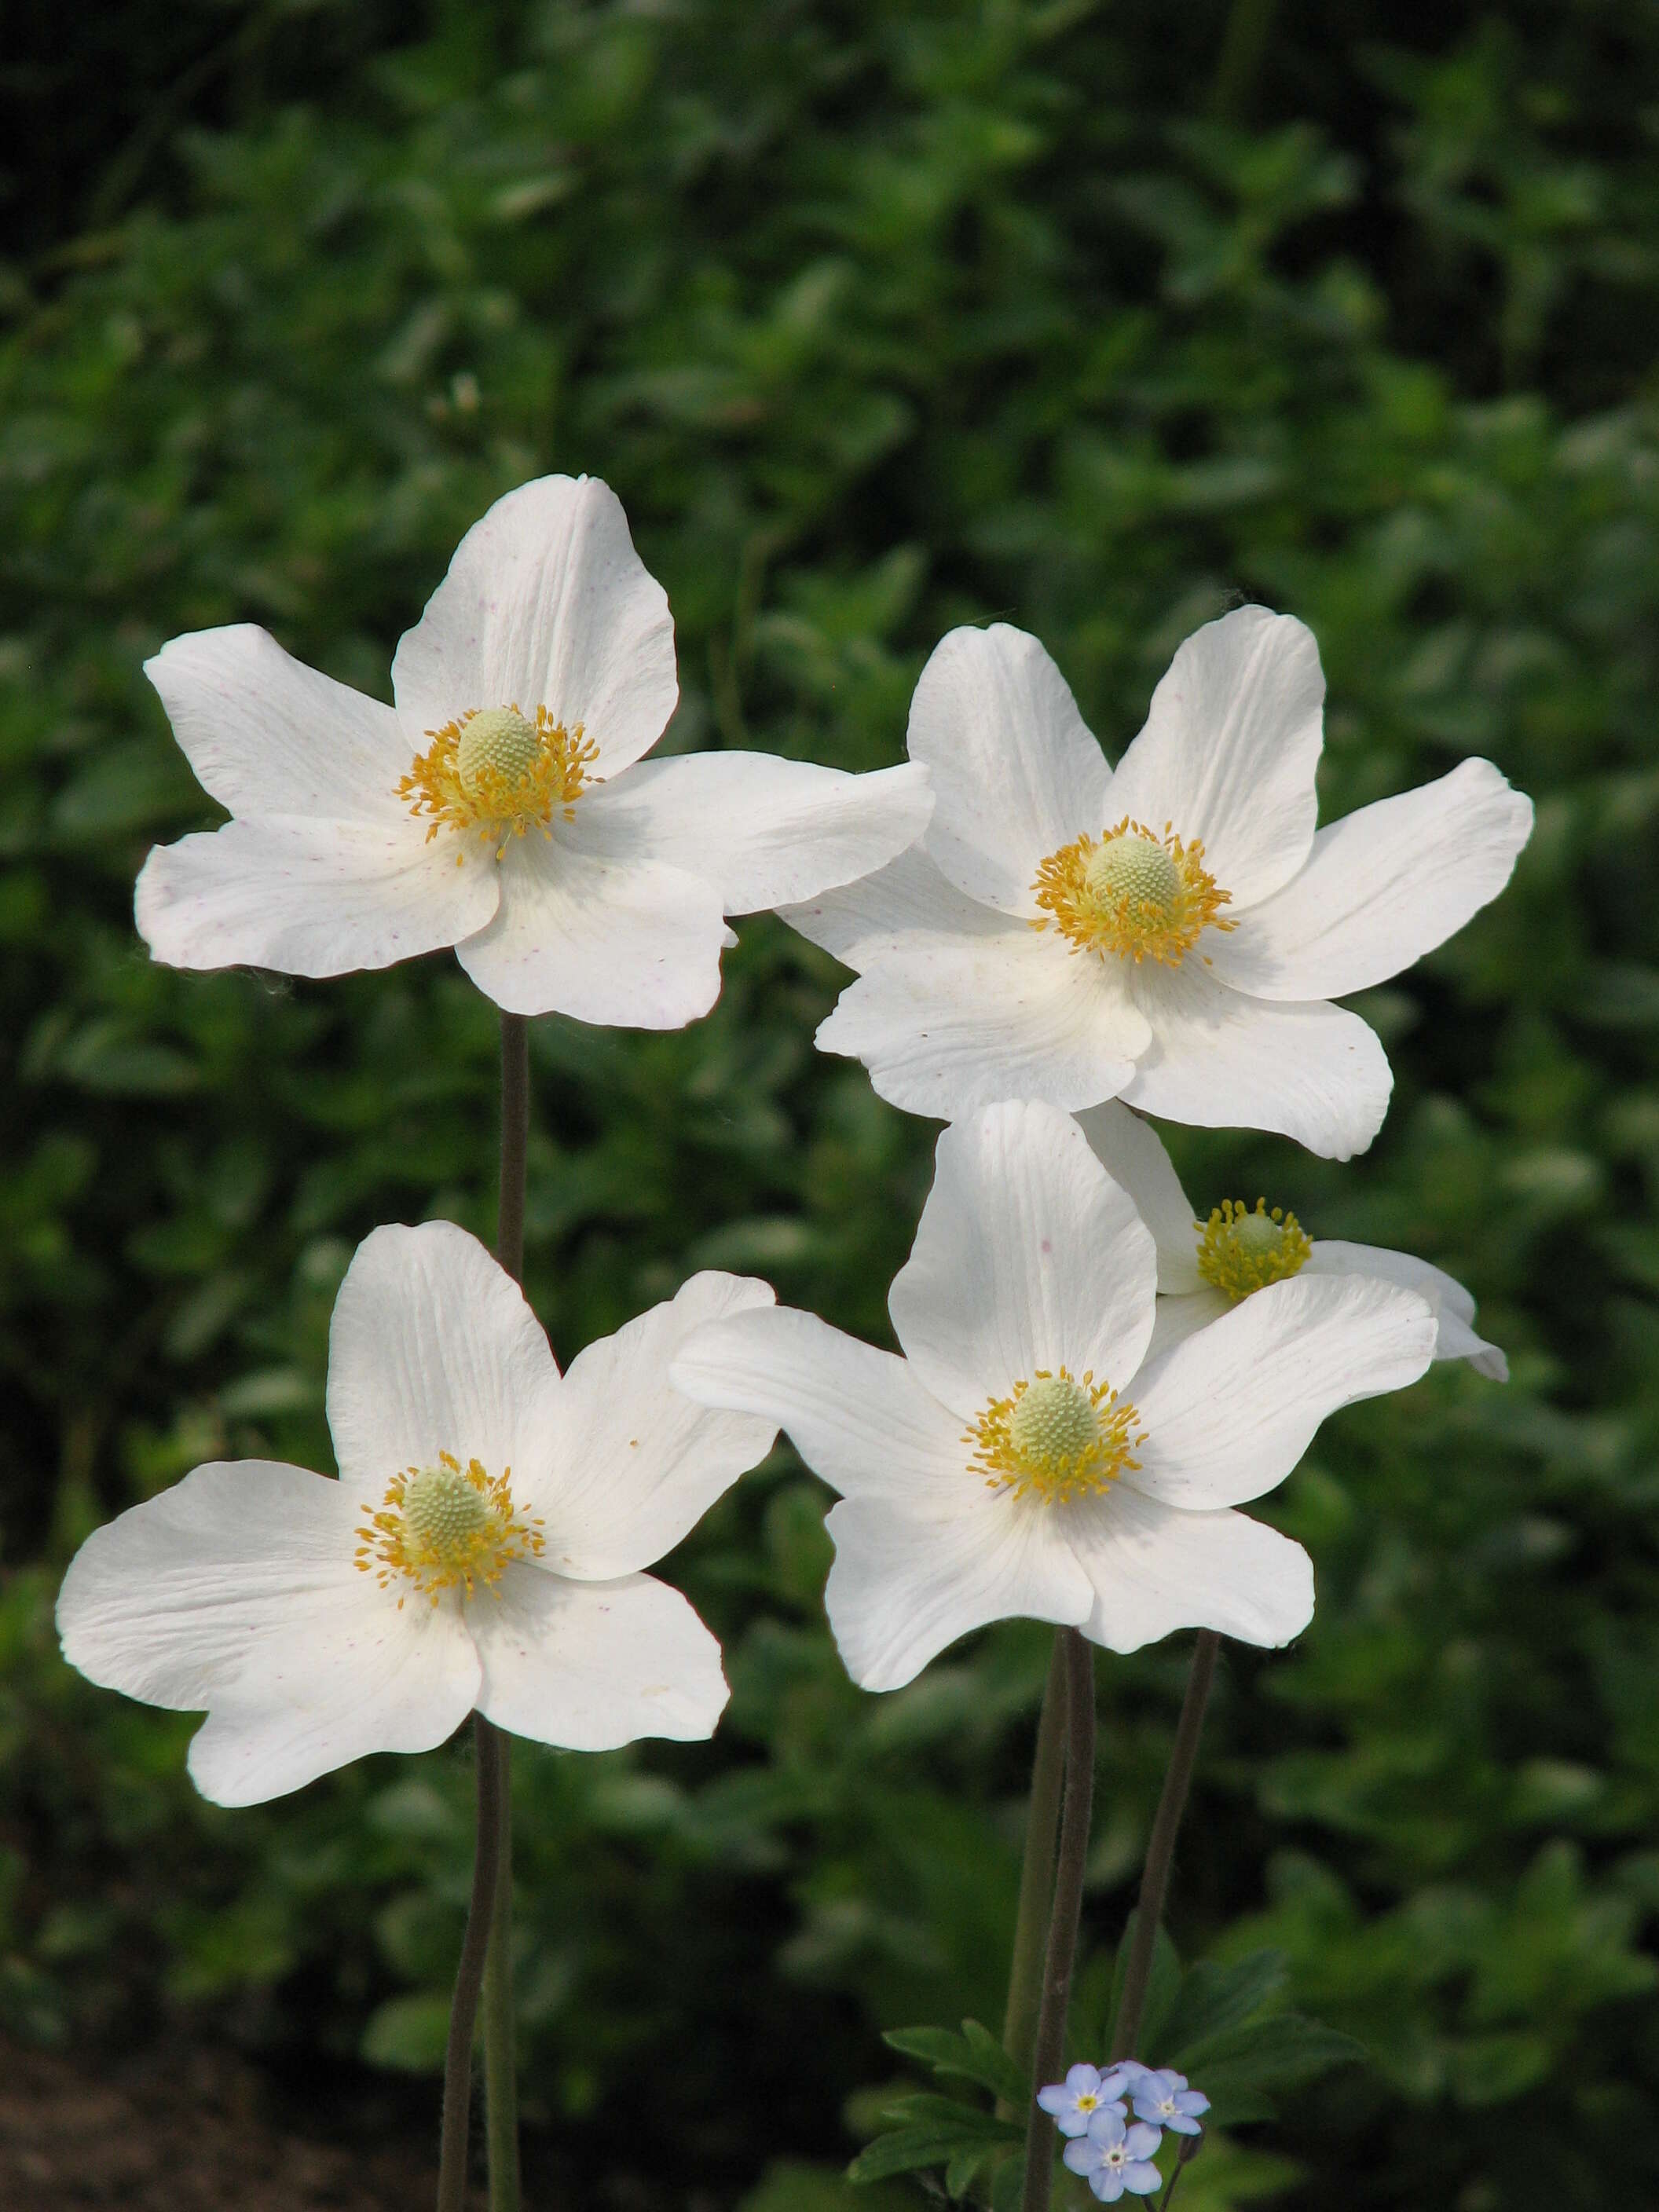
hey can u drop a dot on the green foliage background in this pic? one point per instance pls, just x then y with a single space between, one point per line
879 318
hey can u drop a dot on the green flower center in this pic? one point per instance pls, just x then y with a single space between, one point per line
498 747
446 1514
1134 874
1054 1424
1242 1251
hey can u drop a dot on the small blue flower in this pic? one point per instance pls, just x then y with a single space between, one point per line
1114 2158
1075 2102
1164 2099
1123 2076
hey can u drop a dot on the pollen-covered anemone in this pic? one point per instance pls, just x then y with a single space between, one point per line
483 1546
1208 1266
504 804
1170 931
1031 1454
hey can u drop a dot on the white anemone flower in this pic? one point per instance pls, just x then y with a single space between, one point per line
1170 931
1206 1265
483 1546
1029 1455
503 806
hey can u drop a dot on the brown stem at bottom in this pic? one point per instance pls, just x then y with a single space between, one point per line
469 1977
1066 1913
1160 1848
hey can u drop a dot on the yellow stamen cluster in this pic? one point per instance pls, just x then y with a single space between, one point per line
499 773
1240 1251
1057 1436
1131 892
444 1525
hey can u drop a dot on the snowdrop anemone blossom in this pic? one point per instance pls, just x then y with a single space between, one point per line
1026 1456
1170 931
504 805
1206 1267
483 1546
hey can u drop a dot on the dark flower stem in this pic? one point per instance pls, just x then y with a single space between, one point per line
1079 1715
1037 1878
1160 1849
486 1962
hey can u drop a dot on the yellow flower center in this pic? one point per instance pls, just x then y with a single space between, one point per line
1131 892
497 772
1055 1438
1240 1251
443 1525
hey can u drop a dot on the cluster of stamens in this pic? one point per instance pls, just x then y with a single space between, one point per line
1131 892
446 1525
498 772
1241 1250
1057 1436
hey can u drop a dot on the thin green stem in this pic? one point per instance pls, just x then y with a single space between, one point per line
469 1979
1160 1848
1067 1910
501 2062
1037 1877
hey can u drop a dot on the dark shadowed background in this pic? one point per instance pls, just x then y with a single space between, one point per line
879 318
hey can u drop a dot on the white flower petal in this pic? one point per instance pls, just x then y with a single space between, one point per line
592 1666
309 898
1155 1570
1132 1152
237 1593
1016 772
433 1348
1230 1412
547 603
905 910
1449 1301
628 944
637 1462
1028 1258
1180 1316
1229 751
1381 887
1218 1060
268 736
764 831
905 1584
948 1031
857 1416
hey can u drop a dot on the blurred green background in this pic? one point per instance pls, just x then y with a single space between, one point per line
1094 318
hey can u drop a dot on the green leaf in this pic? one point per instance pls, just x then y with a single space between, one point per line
1008 2186
1280 2053
927 2109
902 2150
1214 1999
974 2056
963 2168
408 2033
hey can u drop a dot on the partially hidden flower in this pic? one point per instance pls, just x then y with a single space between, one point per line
1114 2157
503 805
483 1546
1162 2097
1204 1265
1026 1457
1170 931
1072 2103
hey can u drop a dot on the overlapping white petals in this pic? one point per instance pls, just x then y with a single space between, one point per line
236 1591
1027 1260
1383 887
303 1615
1132 1153
639 1464
605 899
1230 1412
1015 769
1030 1256
954 1010
547 603
591 1666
